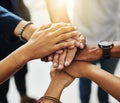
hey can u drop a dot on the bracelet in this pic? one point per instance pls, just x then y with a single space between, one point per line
22 30
49 98
69 74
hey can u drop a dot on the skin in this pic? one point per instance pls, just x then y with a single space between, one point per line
93 52
59 81
52 35
109 82
67 55
84 69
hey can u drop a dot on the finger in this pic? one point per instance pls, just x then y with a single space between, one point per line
56 26
70 56
82 41
43 27
71 39
50 57
59 52
62 60
77 40
63 45
65 36
52 72
55 60
65 29
77 37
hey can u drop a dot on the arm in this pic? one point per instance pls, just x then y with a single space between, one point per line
109 82
93 52
115 51
60 80
52 35
11 24
57 11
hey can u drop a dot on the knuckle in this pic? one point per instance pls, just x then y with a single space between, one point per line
63 36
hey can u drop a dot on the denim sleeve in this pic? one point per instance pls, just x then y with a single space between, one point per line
8 22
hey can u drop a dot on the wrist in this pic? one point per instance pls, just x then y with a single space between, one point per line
115 51
55 89
106 46
20 56
49 99
28 30
99 51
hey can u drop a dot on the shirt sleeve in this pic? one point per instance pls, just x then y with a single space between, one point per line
8 22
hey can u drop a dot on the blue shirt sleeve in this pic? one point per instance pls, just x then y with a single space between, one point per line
8 22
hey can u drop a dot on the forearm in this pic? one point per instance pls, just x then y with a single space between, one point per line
12 63
12 24
59 81
115 51
105 80
55 89
28 30
57 11
93 52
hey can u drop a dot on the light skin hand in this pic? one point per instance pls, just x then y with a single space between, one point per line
65 59
52 37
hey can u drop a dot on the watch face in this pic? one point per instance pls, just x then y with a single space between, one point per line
105 44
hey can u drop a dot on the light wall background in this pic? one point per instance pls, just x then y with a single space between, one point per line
38 77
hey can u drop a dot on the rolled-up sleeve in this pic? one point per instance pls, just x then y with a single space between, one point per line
8 22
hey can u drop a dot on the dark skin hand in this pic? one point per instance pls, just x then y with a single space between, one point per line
89 53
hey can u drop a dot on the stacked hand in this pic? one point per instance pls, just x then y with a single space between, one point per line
65 56
48 39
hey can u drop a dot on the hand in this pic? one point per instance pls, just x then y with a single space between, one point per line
64 59
80 42
46 41
89 53
67 56
79 69
61 77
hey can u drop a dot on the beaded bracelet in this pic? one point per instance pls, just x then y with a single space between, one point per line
49 98
22 30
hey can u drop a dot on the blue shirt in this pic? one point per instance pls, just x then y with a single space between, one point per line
8 22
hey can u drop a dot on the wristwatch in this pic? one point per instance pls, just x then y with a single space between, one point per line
106 46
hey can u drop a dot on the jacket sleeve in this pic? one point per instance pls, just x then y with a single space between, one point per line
8 22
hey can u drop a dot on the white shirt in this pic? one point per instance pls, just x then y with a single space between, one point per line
97 19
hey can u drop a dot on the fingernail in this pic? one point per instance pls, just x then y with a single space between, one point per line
81 45
60 67
55 64
50 58
67 63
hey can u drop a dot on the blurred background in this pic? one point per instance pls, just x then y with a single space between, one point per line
38 73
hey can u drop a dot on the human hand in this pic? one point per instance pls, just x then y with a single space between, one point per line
46 41
66 57
59 81
79 69
89 53
62 77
